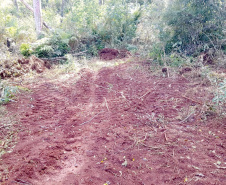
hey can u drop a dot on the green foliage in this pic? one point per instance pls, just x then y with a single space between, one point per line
218 83
120 23
25 49
54 46
157 54
176 60
7 93
220 94
132 48
19 29
44 51
11 31
195 25
150 27
110 25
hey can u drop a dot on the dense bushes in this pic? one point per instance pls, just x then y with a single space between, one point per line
89 27
186 27
154 28
95 26
195 25
54 46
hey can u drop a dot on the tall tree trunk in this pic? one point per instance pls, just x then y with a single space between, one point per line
101 2
15 4
38 16
17 8
27 5
62 8
32 10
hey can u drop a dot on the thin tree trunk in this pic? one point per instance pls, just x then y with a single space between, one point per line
16 4
17 8
62 8
38 16
31 9
101 2
27 5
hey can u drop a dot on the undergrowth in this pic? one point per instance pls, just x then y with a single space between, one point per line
7 93
219 99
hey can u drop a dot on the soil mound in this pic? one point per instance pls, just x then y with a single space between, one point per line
19 67
206 58
110 54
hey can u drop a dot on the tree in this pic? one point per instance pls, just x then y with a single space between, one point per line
32 10
62 8
101 2
37 16
16 4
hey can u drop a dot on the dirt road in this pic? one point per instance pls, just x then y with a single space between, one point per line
120 125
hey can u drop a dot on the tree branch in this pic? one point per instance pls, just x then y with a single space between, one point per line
27 5
32 10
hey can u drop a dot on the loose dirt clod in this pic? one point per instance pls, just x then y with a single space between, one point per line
12 69
110 54
185 70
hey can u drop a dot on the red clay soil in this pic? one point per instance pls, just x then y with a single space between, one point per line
11 69
120 125
110 54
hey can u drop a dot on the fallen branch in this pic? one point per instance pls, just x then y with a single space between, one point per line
165 137
220 167
191 99
80 53
145 94
106 104
22 182
91 118
151 147
187 117
55 58
122 95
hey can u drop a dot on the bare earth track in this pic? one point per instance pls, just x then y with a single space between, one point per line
119 125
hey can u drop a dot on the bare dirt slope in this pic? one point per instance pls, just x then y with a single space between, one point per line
119 125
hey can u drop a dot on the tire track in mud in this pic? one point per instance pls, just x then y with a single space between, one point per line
107 127
83 96
52 125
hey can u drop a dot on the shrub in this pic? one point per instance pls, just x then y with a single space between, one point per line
54 46
112 24
6 93
43 51
25 49
220 96
157 53
195 25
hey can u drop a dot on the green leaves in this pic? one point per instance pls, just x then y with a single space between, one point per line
7 93
25 49
220 93
195 23
55 46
